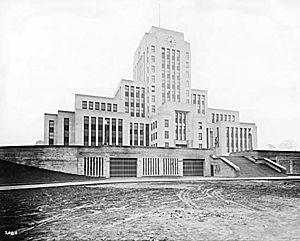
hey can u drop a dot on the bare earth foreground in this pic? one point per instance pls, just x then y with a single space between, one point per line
229 210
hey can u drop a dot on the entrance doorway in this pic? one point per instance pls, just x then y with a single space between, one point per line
212 170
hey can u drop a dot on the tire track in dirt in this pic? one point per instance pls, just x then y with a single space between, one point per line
184 196
216 194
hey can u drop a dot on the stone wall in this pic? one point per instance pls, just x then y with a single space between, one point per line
222 169
71 159
61 159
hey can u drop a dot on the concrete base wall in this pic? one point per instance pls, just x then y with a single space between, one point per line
62 159
71 159
221 169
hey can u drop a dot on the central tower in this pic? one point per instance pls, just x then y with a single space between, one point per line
162 62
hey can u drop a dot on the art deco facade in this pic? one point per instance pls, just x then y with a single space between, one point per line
158 108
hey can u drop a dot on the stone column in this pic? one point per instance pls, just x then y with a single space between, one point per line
180 167
139 167
160 162
206 166
80 166
106 166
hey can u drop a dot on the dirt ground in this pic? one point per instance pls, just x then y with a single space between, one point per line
231 210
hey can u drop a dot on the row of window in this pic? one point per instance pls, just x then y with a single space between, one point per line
139 134
153 125
66 132
91 105
154 136
238 139
135 100
98 131
199 100
222 117
180 125
170 84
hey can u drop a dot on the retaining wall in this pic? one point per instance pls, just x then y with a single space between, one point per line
71 159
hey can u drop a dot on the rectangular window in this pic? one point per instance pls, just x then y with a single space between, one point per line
166 135
227 139
153 68
200 125
86 131
141 134
131 100
91 105
143 102
66 132
106 129
126 90
126 99
137 101
199 103
93 131
167 144
225 117
114 131
241 139
166 123
217 140
97 106
152 48
221 117
147 135
120 132
200 136
115 107
153 98
232 139
153 78
213 117
153 109
100 131
245 138
131 134
229 117
203 104
103 106
236 139
217 117
153 59
233 118
84 104
135 134
108 106
194 99
51 132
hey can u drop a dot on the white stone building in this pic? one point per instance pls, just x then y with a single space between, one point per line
157 108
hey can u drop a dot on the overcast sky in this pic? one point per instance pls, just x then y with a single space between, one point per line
246 53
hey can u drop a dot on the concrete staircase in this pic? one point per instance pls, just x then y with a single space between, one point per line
250 168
